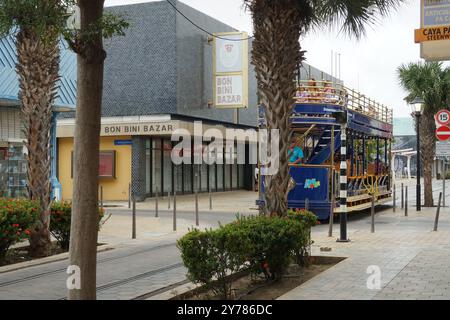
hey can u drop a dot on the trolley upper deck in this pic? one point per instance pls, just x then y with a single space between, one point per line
317 101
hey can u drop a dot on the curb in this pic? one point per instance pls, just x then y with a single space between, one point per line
46 260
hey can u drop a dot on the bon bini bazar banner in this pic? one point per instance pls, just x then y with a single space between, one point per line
230 70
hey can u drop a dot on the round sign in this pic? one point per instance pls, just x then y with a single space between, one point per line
443 117
443 133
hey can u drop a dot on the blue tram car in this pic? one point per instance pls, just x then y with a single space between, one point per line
324 115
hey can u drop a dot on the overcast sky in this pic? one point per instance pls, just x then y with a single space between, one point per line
368 64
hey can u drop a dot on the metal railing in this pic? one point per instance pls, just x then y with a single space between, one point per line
326 92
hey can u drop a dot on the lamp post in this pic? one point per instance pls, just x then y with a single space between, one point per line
417 106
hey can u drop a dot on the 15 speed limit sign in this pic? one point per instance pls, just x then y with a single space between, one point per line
443 117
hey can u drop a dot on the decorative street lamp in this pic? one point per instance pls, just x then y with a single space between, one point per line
417 106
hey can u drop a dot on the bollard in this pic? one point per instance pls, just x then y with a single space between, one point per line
403 198
210 200
156 205
129 196
174 211
133 231
307 204
406 201
372 213
436 220
168 200
101 197
197 222
395 198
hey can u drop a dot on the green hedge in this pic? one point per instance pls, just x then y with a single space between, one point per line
60 220
17 218
263 245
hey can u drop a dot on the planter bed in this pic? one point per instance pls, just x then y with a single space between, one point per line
246 287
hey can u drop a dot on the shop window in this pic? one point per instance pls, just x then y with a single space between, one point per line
13 171
167 163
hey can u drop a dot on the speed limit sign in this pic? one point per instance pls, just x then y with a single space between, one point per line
443 117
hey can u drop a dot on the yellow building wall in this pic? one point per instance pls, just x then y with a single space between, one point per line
113 189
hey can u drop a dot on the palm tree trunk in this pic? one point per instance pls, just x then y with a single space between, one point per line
84 228
37 67
276 55
428 150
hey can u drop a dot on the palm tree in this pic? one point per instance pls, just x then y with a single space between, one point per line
431 82
37 25
277 53
37 67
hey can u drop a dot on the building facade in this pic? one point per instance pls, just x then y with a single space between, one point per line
159 78
13 165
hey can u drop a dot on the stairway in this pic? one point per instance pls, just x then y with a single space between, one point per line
322 151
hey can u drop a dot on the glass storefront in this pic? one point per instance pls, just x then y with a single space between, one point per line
162 174
13 170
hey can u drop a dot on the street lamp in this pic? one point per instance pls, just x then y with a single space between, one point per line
417 106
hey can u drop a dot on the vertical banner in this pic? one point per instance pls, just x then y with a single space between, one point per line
230 70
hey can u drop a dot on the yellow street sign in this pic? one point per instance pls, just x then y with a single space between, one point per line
432 34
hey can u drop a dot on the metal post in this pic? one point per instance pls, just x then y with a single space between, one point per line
101 197
129 196
395 198
406 201
168 200
418 195
197 222
443 183
403 197
156 204
307 204
210 200
372 212
133 231
436 220
333 187
343 188
174 211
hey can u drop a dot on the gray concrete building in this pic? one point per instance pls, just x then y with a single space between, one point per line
159 76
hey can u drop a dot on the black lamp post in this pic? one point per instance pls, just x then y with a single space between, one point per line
417 106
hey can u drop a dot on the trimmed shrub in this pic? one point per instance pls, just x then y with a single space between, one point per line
17 217
309 220
60 220
260 244
272 243
211 255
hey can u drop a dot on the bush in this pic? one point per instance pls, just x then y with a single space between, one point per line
60 219
17 217
210 256
273 241
309 220
263 245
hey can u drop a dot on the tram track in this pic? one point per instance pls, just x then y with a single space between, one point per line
63 270
141 276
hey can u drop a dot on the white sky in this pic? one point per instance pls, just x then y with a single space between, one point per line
368 64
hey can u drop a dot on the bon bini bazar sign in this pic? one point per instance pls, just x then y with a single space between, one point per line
138 129
230 70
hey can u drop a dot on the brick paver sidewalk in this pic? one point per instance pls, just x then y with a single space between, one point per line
414 261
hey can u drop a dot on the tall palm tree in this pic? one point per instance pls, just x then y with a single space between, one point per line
37 68
431 82
37 25
276 54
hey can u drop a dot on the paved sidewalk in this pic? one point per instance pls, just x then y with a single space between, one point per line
414 261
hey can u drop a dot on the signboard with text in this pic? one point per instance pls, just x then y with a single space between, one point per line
434 32
230 70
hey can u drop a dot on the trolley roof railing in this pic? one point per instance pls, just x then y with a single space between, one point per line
326 92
